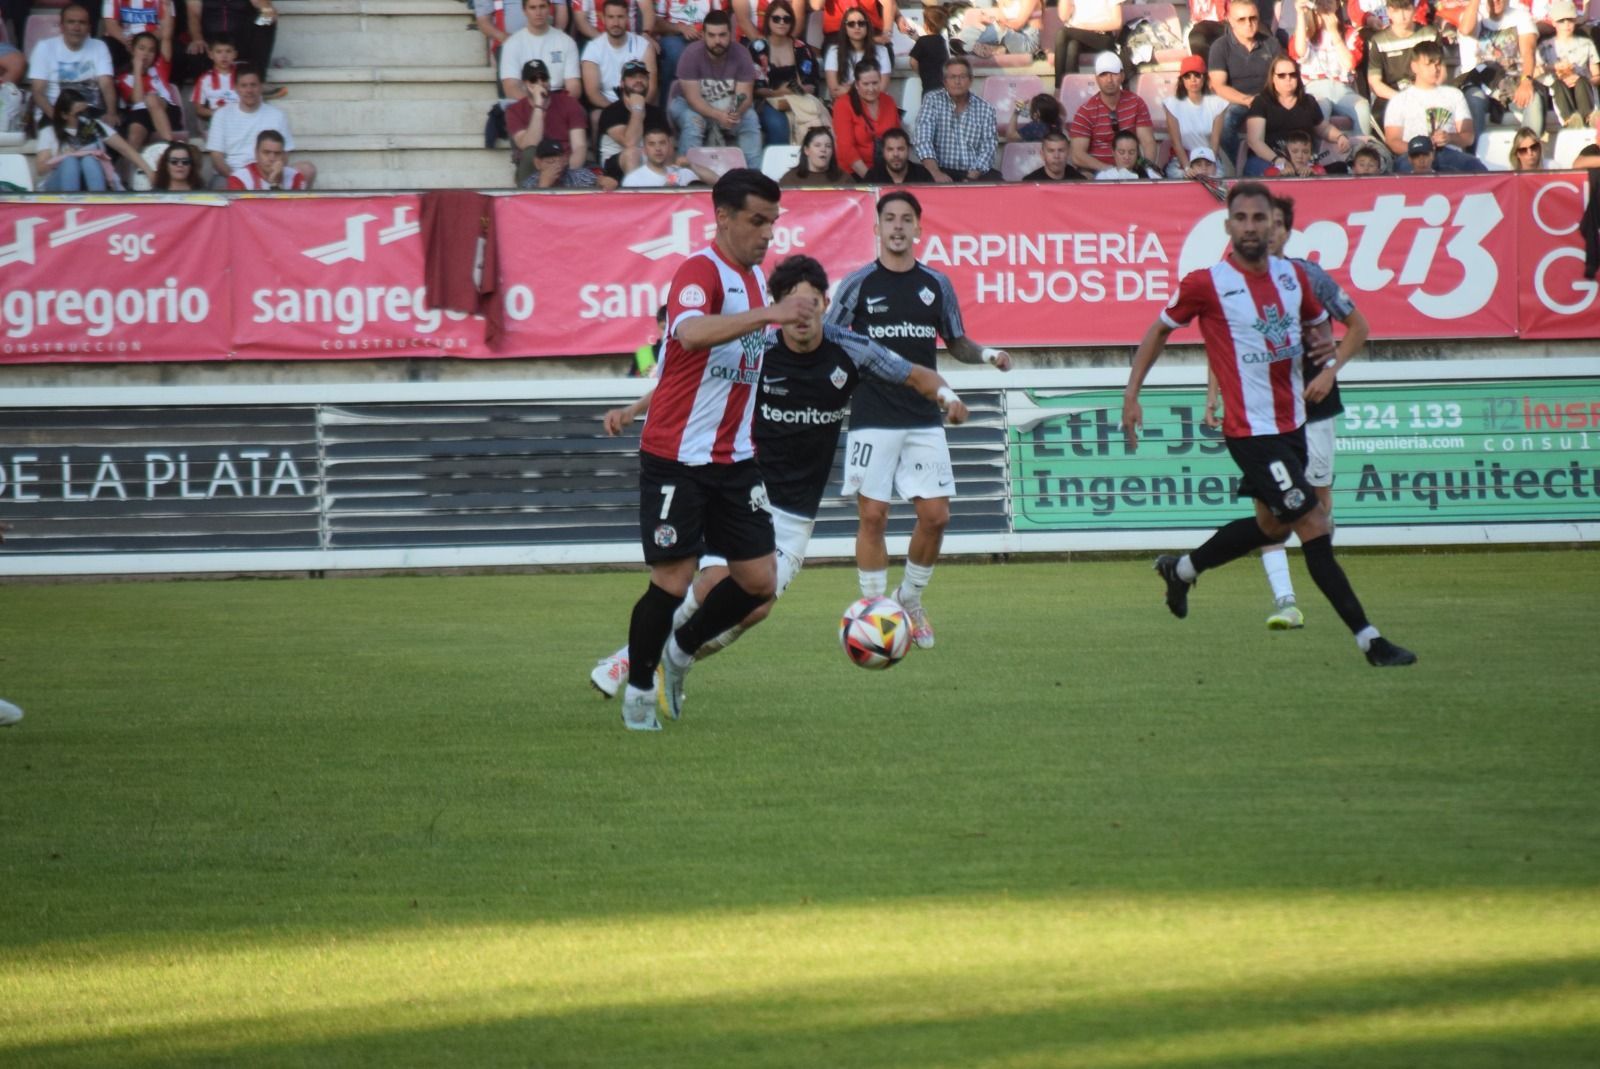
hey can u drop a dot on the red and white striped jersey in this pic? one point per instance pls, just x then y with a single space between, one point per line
156 80
1253 325
249 177
700 413
214 89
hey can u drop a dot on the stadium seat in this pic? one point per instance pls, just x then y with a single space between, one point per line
910 102
137 182
1075 89
1003 91
778 160
1571 142
721 160
1018 159
1153 88
1494 148
37 29
16 170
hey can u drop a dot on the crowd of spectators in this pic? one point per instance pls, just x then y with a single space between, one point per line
107 106
1292 88
591 92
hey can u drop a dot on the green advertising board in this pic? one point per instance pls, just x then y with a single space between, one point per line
1484 452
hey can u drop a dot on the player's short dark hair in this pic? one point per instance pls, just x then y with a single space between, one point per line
1125 135
739 185
1298 137
241 69
269 135
220 39
655 128
1286 206
1240 190
719 17
794 270
959 61
623 4
1056 135
900 194
897 132
1430 50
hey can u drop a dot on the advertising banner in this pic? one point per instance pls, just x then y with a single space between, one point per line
318 278
113 280
585 274
1423 257
1555 300
1501 452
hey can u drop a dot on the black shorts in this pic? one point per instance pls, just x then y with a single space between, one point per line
141 117
686 510
1274 468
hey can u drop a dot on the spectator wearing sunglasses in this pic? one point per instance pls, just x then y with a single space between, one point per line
178 170
880 15
1238 66
852 45
785 67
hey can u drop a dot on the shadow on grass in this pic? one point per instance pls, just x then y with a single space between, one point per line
1538 1013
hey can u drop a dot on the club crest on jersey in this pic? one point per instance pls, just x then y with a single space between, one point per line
666 536
1294 498
692 296
839 377
1274 327
1287 281
927 296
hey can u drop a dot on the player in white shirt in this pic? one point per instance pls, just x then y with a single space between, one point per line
606 55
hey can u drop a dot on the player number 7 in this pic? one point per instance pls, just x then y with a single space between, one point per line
666 499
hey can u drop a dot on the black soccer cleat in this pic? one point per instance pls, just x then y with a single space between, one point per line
1381 653
1177 589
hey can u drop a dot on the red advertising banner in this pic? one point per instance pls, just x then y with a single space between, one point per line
585 274
1555 300
1074 265
319 278
113 280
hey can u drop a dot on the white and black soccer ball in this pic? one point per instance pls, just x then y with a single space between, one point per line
875 633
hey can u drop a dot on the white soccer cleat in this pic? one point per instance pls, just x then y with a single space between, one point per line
1287 618
671 689
639 711
609 675
9 714
921 626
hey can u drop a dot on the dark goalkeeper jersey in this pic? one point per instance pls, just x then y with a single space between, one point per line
908 311
801 407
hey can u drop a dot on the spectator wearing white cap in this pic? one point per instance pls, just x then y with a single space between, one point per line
1095 127
1202 164
1568 67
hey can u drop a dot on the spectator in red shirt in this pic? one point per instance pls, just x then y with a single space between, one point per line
860 119
270 170
542 115
1095 126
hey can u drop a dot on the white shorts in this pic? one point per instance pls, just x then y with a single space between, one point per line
913 460
1319 452
793 533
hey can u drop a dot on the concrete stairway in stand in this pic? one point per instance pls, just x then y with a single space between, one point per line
388 94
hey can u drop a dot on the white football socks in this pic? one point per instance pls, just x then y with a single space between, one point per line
686 608
914 582
1186 570
873 583
1276 562
1365 636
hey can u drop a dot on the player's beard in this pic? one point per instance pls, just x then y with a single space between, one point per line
1247 248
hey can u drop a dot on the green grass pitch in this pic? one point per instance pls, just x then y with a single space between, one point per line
379 822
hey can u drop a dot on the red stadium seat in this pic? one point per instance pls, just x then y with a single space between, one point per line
38 28
1003 91
721 160
1075 89
1018 159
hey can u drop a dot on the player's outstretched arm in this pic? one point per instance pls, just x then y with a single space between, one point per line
932 385
617 419
970 352
1155 340
704 331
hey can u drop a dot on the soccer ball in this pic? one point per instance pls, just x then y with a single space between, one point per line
875 633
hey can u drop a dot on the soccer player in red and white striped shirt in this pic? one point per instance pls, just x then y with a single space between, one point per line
1256 313
699 487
